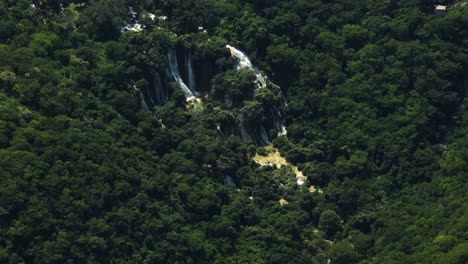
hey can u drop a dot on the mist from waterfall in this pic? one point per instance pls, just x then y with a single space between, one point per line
174 73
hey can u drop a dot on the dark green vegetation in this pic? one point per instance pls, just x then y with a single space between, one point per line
377 118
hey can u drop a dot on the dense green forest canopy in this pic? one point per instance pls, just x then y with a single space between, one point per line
376 116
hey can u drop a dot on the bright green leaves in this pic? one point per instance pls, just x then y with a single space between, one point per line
44 43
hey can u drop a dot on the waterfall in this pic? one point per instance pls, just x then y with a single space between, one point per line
130 9
264 136
278 121
255 133
261 81
283 132
134 25
220 132
243 62
229 181
160 92
189 69
243 132
174 73
259 134
143 103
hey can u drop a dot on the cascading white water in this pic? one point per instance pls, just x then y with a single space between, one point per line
220 132
243 62
277 121
174 73
283 132
261 81
134 25
189 68
130 8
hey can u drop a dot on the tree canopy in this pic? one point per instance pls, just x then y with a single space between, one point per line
102 160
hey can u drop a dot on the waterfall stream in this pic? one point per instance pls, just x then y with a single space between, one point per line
134 25
190 73
243 62
174 73
264 136
229 181
143 103
257 132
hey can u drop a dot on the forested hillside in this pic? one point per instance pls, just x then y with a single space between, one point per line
130 131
